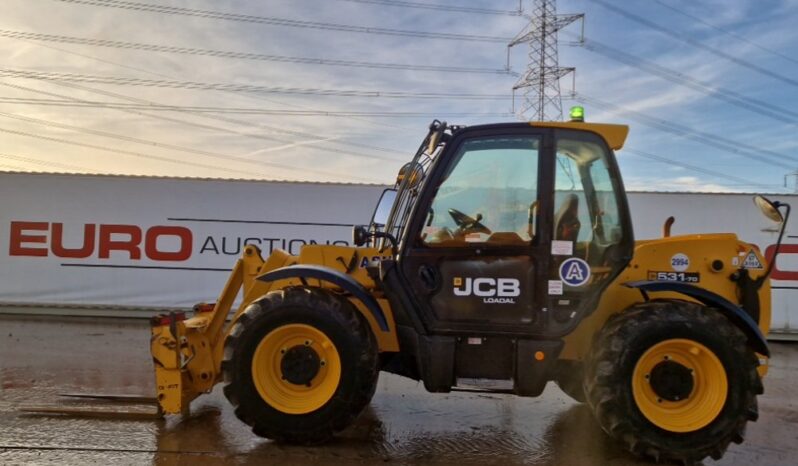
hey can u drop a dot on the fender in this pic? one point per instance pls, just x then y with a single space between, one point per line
335 277
733 312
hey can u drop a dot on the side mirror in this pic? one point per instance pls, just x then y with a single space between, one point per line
770 209
384 206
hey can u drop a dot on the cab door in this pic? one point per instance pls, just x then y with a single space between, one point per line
476 254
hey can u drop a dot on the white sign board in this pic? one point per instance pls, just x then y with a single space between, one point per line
127 241
159 242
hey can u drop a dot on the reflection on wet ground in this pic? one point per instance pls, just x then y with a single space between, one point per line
44 356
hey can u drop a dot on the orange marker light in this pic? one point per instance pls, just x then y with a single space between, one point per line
540 355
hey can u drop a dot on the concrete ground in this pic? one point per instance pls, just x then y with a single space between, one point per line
41 357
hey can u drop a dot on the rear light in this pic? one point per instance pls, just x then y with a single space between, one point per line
167 319
204 307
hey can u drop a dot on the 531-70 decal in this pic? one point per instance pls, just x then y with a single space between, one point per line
687 277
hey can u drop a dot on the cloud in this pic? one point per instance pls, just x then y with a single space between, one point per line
680 183
353 148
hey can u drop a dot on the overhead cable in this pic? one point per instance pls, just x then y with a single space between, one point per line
738 148
249 88
273 21
681 37
159 48
695 168
47 163
772 111
727 32
229 158
237 110
439 7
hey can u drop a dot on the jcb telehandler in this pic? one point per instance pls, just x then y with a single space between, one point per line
502 259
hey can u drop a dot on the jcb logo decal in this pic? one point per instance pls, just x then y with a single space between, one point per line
492 290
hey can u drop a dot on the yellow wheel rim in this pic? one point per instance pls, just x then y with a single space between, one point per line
704 398
270 379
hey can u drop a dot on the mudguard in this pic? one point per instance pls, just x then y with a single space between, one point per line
733 312
335 277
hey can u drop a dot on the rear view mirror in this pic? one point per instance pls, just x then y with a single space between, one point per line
383 209
769 208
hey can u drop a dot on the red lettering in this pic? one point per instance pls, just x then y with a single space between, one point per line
108 244
779 274
151 244
84 251
18 237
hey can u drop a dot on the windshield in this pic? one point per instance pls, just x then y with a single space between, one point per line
488 194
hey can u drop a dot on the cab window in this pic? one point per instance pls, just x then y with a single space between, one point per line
586 210
488 195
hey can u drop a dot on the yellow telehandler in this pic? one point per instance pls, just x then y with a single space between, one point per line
502 259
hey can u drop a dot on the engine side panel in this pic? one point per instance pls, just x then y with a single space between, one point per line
705 260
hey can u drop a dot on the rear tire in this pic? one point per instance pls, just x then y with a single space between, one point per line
672 380
299 365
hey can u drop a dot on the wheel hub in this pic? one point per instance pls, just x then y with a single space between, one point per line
300 364
680 385
671 381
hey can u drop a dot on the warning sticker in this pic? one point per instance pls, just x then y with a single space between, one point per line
555 287
751 261
562 248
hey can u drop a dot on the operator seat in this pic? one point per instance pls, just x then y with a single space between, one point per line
566 222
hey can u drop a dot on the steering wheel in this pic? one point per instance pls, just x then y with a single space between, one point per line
466 223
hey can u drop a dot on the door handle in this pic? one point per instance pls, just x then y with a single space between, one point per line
429 277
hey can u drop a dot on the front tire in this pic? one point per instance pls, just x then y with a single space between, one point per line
672 380
299 365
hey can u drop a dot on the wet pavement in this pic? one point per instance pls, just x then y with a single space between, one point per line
41 357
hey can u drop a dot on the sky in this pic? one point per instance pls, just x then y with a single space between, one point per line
709 89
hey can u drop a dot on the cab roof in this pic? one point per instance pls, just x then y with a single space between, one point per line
614 135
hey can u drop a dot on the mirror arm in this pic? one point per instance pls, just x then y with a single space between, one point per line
391 239
772 263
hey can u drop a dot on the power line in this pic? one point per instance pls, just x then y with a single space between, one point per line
170 10
219 118
758 153
147 103
47 163
452 8
161 145
692 42
205 116
214 168
192 85
240 55
143 102
14 168
727 32
235 110
760 107
695 168
314 137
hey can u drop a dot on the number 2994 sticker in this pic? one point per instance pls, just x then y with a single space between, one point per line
686 277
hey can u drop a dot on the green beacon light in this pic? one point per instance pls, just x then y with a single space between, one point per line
577 113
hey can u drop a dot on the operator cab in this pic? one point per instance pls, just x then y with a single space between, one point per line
507 228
